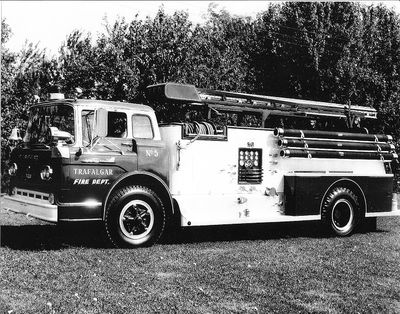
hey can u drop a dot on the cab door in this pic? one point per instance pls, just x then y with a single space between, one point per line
151 150
93 168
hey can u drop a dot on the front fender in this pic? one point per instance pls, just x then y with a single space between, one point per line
147 179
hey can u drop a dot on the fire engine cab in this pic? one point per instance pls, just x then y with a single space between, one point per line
91 160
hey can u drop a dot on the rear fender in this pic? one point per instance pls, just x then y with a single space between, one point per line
352 185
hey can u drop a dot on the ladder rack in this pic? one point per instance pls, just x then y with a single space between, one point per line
267 105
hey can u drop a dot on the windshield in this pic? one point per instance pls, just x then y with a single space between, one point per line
60 116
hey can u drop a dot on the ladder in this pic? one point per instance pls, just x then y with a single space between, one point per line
251 103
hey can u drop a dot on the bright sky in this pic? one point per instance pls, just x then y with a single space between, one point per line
49 22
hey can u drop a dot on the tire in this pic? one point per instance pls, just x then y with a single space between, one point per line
135 217
340 211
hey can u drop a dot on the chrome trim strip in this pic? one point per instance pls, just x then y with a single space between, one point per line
339 174
282 218
81 204
79 220
383 214
98 160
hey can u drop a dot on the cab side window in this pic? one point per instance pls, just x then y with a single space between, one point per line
87 126
141 126
117 124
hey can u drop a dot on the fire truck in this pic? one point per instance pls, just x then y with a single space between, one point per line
232 158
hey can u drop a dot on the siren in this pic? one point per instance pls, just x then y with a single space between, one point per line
15 135
78 92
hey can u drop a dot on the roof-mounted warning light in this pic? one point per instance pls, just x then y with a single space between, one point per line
56 96
55 93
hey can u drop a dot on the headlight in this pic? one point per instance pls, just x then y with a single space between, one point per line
46 173
13 169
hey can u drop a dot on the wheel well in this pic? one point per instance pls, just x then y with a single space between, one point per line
351 185
150 181
176 219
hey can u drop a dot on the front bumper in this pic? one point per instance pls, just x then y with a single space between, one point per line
31 203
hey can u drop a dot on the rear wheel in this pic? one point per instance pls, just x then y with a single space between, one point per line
134 217
340 211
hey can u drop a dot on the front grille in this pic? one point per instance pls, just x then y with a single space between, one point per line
32 194
250 166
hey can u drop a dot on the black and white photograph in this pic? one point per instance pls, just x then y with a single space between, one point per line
200 157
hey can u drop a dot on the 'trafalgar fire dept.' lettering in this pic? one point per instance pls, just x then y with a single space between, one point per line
91 181
93 171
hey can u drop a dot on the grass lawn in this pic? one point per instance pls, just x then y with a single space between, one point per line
282 268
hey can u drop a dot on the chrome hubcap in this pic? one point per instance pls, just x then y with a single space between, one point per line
342 215
136 219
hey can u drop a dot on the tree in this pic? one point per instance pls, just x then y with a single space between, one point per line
8 70
117 76
23 75
78 64
161 48
219 55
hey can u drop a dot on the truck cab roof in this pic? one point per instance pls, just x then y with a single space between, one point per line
93 103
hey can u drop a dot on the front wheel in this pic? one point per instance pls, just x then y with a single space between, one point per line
135 216
340 211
